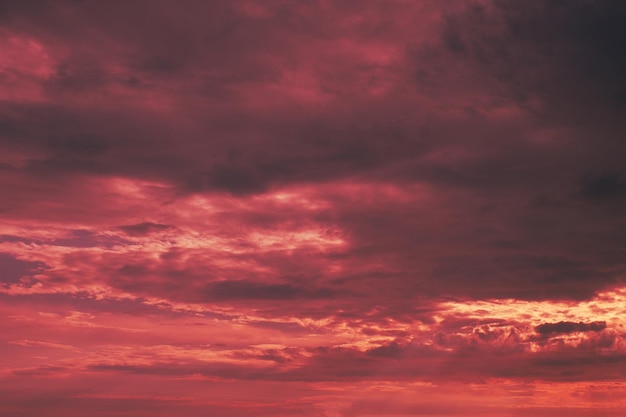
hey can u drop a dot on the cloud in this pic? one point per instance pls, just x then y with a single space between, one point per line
570 327
13 270
604 186
145 228
330 206
228 290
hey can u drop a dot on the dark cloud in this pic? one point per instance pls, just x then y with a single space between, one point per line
145 228
489 181
604 186
13 270
570 327
392 350
242 289
575 44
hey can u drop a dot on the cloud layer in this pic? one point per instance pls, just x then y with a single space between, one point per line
316 208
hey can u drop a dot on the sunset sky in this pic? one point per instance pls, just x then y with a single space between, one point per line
320 208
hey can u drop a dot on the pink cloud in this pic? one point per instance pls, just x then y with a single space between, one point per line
322 208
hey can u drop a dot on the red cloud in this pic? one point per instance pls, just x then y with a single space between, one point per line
322 208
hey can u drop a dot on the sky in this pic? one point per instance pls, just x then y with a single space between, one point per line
346 208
